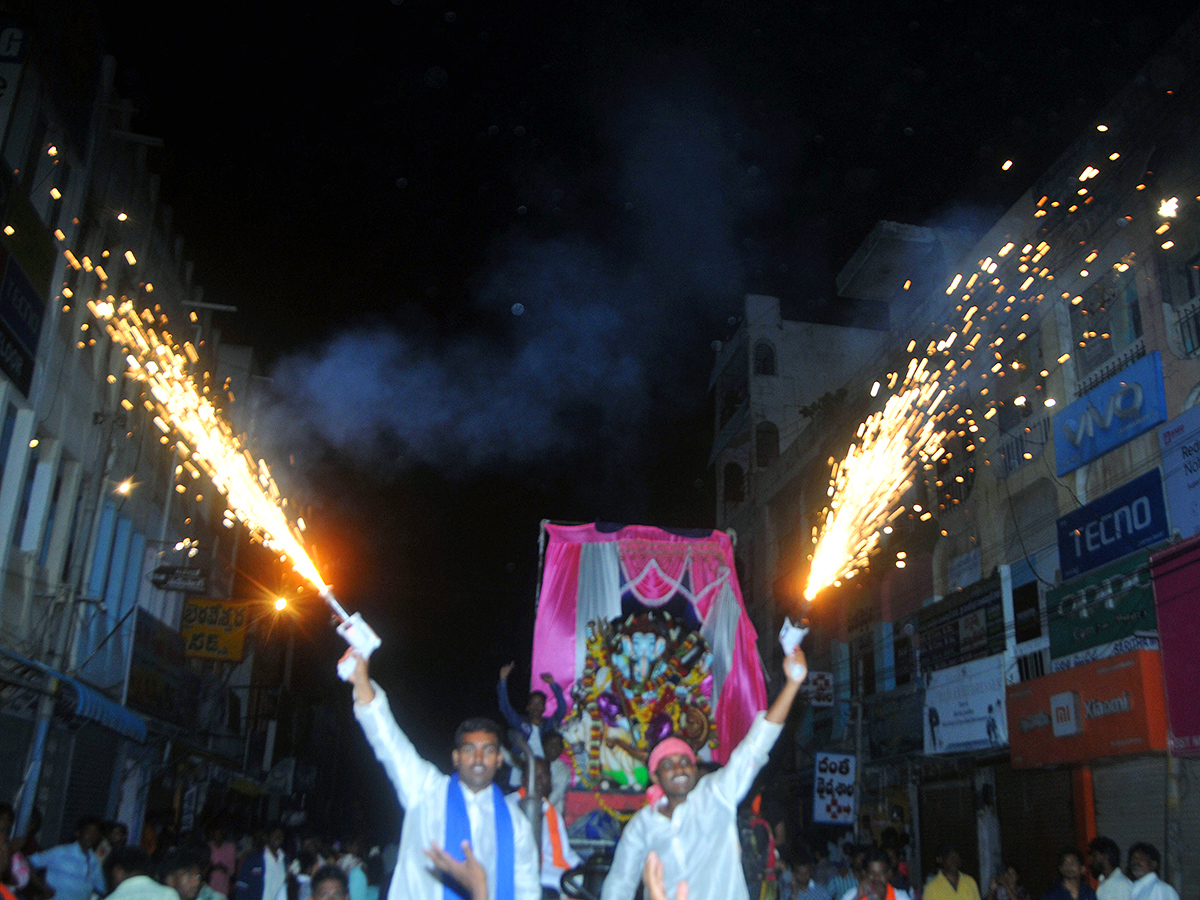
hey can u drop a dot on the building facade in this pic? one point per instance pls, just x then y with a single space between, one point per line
1000 670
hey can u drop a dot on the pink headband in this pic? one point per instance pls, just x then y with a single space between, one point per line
671 746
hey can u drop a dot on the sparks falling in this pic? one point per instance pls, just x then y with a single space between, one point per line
204 438
867 488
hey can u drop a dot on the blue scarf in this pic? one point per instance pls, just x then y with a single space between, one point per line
458 829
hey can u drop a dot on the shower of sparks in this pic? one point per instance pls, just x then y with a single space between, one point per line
205 441
998 308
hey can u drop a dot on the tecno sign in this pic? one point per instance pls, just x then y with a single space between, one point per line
1127 519
1128 404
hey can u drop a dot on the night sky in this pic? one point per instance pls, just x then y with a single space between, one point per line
484 250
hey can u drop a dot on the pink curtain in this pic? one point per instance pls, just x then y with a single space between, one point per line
556 632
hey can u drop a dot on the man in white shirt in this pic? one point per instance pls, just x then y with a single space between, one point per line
1143 866
440 808
1104 860
128 868
692 824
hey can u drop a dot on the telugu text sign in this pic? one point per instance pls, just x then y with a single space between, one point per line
833 789
214 629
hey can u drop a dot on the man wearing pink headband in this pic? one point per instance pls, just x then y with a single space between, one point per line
692 825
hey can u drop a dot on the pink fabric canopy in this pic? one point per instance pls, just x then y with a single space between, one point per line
585 573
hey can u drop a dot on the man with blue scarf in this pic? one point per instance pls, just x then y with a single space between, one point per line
447 810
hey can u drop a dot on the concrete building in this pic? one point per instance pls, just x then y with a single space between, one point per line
1003 649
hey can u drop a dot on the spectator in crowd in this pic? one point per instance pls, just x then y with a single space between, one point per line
222 856
847 873
692 823
1071 885
183 870
448 809
557 855
6 892
264 871
72 870
351 863
950 883
1104 860
758 850
1005 885
1143 869
802 885
129 871
329 883
113 836
560 770
877 877
893 841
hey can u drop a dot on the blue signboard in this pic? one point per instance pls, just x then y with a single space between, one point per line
1128 404
1127 519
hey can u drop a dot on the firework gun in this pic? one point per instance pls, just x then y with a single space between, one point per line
357 633
790 637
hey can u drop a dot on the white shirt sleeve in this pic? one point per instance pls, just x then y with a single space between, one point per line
733 780
410 774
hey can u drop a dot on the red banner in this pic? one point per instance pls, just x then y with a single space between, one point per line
1176 575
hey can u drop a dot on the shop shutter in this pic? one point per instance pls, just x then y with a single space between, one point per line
1037 819
1189 827
948 817
92 764
1131 801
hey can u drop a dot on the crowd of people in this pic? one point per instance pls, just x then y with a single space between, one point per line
879 873
203 865
465 835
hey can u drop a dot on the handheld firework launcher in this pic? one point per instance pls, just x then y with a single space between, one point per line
790 637
357 633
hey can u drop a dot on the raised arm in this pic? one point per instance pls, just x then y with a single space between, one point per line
560 701
733 780
506 709
411 775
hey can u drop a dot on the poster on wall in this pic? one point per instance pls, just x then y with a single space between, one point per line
833 789
964 707
1180 443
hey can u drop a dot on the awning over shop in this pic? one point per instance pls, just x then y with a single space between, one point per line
77 699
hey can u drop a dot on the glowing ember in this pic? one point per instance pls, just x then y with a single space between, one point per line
205 440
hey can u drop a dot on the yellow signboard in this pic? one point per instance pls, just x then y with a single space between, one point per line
214 629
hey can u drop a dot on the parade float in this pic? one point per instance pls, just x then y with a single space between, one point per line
646 631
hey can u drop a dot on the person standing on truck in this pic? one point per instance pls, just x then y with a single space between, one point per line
448 811
536 725
690 823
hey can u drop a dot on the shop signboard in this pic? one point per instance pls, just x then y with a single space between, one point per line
1176 578
214 629
1127 405
964 707
1106 612
966 625
1179 440
1122 521
1112 707
833 789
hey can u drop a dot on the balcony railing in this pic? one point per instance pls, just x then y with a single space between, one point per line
1021 446
1111 367
1188 324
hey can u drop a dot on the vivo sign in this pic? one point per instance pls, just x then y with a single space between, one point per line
1128 404
1127 519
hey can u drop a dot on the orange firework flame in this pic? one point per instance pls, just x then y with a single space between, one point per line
205 438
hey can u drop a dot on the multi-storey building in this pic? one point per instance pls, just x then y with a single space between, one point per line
998 668
106 528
